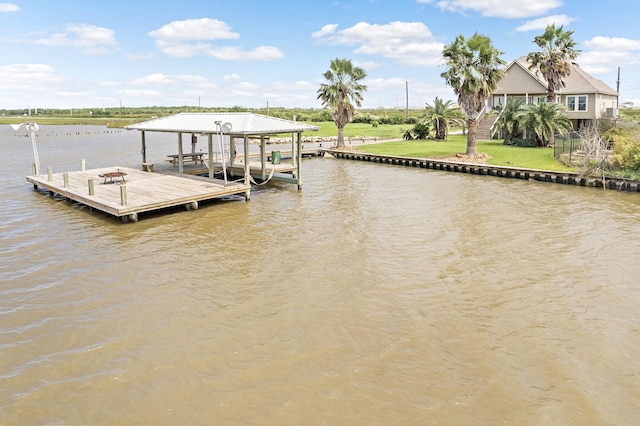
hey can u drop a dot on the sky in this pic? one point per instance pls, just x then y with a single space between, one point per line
273 53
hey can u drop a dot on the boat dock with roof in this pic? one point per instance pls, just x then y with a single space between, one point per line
126 192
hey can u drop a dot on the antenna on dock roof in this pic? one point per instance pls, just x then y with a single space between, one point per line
32 128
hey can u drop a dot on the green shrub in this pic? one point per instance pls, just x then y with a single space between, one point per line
626 148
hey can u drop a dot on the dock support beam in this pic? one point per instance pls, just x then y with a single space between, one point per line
144 147
210 148
299 162
180 154
247 166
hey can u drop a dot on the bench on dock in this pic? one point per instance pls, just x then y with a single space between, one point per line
191 156
112 177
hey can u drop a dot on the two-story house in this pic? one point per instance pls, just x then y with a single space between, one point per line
585 97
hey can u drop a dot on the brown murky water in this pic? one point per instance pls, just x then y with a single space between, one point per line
376 295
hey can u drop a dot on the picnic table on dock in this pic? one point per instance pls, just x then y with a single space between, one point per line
188 156
112 177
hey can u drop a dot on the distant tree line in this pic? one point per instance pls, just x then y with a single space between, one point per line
374 117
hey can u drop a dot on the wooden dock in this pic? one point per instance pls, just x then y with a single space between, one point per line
136 191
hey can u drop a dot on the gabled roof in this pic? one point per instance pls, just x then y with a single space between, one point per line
579 81
242 124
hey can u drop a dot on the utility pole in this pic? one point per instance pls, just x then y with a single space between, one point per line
407 97
618 89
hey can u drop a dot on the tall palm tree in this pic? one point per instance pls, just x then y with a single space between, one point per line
442 115
342 93
555 58
544 120
474 68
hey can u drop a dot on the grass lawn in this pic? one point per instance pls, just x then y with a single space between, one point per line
382 131
500 155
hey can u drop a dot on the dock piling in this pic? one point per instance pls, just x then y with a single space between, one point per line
82 165
91 188
123 195
49 174
65 176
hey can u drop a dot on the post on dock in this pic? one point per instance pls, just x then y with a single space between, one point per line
299 162
144 147
263 169
65 177
91 188
82 165
180 154
210 148
123 195
247 166
34 170
49 174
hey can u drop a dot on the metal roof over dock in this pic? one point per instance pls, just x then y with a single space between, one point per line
242 124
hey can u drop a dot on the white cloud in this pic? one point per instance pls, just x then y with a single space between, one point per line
8 7
498 8
156 78
69 94
140 56
298 85
22 76
232 77
89 38
194 29
605 54
325 31
367 65
409 43
192 37
139 93
542 23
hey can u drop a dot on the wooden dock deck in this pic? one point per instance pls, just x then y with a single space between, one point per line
139 192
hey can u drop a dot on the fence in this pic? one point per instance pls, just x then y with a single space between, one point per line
566 145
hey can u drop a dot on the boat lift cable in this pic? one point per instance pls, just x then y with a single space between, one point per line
271 173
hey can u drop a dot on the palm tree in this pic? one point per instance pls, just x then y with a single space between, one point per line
441 116
474 68
508 122
555 59
342 93
544 120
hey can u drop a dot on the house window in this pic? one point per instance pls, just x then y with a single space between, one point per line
577 103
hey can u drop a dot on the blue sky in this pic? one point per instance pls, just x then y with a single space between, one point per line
254 53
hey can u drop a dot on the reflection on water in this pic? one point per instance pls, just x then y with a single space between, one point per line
376 295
